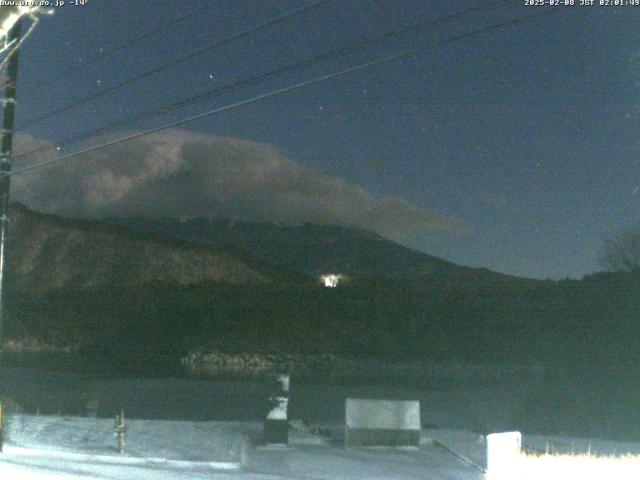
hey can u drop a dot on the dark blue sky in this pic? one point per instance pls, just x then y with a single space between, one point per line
527 135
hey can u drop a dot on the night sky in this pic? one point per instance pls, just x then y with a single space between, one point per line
523 141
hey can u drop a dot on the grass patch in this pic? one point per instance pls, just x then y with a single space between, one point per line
550 466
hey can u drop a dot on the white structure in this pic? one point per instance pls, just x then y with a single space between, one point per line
331 280
382 422
503 454
280 400
10 15
276 425
8 18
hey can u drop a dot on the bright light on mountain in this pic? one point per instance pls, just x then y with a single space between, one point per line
331 280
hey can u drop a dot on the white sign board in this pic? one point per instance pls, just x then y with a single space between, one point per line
382 422
392 414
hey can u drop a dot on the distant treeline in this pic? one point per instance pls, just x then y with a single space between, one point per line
594 321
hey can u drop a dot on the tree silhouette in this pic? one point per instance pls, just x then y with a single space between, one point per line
621 253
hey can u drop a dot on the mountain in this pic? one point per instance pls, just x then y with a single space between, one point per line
125 300
47 251
316 249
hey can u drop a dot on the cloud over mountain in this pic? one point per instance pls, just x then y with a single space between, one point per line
185 175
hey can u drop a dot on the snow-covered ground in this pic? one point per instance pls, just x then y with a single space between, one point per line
52 447
182 428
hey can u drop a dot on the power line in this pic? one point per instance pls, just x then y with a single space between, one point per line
177 61
336 53
105 54
281 91
14 48
100 56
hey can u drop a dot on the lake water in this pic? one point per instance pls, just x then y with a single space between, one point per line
605 407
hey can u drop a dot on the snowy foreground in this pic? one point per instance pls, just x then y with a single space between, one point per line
44 447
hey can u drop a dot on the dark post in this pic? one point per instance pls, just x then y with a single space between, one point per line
5 167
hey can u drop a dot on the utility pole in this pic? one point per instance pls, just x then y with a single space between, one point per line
5 167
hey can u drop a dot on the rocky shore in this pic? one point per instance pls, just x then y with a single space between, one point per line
339 369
